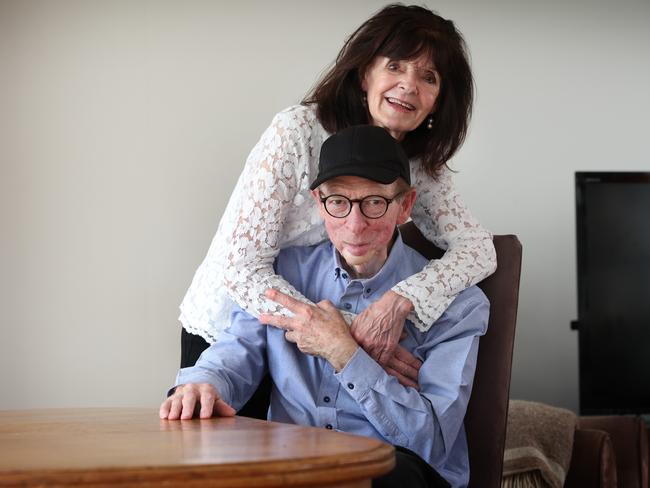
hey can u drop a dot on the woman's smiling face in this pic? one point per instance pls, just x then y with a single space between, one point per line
400 93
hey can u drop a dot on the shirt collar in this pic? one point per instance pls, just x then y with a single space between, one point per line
395 257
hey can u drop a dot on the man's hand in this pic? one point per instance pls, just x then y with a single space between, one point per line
188 399
319 329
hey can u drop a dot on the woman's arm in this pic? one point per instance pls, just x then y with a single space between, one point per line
269 208
270 185
443 218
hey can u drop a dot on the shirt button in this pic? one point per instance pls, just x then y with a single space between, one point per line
347 306
329 427
351 386
326 399
368 290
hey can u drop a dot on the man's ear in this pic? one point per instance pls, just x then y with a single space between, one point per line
406 203
315 194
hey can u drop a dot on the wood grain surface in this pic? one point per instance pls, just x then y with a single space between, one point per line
126 446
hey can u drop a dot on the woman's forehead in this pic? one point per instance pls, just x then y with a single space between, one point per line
412 50
423 62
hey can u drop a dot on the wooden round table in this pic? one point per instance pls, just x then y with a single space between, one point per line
117 446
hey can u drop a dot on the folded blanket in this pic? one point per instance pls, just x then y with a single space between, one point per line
539 442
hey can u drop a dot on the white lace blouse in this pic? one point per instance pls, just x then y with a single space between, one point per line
271 208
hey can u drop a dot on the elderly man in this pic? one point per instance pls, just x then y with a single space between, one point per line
321 377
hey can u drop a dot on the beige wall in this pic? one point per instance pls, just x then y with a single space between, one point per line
124 125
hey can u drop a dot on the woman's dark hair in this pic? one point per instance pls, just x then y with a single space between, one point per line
402 32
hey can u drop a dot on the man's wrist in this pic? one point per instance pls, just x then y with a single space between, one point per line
342 354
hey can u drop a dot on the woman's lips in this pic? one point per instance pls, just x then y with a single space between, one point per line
400 105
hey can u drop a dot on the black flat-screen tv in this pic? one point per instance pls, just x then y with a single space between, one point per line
613 251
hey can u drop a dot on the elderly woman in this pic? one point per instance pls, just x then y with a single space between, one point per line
404 69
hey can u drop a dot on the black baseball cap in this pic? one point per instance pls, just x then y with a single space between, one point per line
367 151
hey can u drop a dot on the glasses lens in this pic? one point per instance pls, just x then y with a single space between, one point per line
337 206
374 206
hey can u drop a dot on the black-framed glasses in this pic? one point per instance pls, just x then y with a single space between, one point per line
372 206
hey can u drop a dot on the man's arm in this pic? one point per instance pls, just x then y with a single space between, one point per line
226 374
426 421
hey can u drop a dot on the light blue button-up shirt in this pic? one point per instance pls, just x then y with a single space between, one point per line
362 398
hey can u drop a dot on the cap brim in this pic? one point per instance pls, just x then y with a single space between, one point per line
379 175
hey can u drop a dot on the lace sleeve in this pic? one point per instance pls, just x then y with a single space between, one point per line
444 219
272 204
267 187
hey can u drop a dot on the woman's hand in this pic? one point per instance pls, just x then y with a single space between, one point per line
378 330
404 366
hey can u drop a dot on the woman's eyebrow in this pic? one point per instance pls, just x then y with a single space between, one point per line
427 67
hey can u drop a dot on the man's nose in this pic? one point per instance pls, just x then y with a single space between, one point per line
356 221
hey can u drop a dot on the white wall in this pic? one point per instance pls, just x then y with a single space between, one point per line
124 125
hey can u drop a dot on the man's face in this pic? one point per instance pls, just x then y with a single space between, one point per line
360 240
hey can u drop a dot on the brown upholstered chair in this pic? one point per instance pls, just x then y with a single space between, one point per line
487 411
607 449
593 461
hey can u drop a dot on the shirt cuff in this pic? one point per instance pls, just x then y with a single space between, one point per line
348 316
425 312
196 375
360 374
